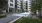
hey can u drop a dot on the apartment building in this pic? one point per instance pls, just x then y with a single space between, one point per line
17 5
11 5
25 5
22 5
29 5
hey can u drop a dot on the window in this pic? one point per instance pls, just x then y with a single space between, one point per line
18 7
11 0
11 4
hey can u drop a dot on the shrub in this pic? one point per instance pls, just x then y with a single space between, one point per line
2 16
27 20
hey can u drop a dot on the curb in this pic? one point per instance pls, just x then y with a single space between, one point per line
15 20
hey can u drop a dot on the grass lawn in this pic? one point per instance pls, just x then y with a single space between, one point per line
27 20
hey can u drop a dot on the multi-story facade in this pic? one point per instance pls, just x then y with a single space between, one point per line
25 6
22 5
29 5
11 5
17 5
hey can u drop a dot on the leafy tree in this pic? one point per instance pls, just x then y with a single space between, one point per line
2 3
36 5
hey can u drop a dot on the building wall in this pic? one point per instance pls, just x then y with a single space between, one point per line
11 3
25 5
17 5
29 5
20 5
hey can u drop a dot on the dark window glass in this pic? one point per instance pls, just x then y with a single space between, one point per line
17 7
11 4
11 0
29 4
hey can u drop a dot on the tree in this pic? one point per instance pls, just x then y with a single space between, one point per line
39 10
36 5
2 3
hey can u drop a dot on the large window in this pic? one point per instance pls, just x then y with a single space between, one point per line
11 4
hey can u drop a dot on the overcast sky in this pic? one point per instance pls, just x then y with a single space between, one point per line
24 0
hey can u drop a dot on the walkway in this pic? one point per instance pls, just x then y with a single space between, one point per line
8 18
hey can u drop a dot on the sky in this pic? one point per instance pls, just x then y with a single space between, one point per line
24 0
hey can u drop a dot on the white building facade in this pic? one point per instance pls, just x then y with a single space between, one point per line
16 4
11 4
25 3
29 5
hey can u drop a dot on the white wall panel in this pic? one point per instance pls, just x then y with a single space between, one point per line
9 2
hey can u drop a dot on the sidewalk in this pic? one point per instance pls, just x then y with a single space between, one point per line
8 18
15 20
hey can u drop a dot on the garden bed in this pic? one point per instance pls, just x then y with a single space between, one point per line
28 20
2 16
